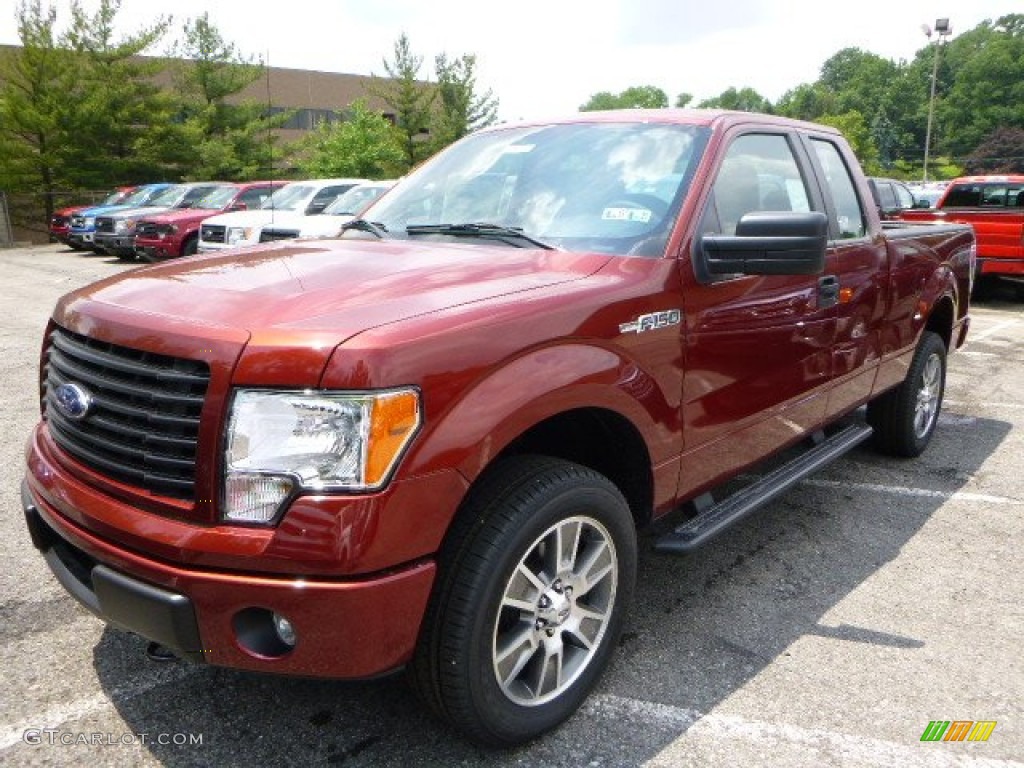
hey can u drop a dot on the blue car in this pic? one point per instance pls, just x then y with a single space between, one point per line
82 232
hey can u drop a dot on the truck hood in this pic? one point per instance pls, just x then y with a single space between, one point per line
178 215
102 210
258 218
136 212
331 288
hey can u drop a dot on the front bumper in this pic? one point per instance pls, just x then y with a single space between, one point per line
119 245
81 238
157 250
351 628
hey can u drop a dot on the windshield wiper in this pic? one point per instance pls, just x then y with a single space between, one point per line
510 235
362 225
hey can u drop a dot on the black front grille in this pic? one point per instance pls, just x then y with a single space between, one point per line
142 426
146 229
270 235
212 233
58 220
105 224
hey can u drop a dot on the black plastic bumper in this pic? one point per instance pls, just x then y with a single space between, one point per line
154 613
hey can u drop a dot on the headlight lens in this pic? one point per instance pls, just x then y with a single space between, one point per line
281 442
89 221
238 234
124 225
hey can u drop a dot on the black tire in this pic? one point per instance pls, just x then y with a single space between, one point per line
191 247
506 531
122 256
904 418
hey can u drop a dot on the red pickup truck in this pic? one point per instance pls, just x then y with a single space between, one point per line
429 442
994 206
175 233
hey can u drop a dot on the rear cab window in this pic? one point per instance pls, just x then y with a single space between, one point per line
847 219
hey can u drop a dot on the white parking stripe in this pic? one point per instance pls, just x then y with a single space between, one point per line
80 708
962 404
851 749
914 492
971 337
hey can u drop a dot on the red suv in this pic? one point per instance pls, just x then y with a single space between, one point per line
176 232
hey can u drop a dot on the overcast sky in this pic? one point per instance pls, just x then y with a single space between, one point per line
547 57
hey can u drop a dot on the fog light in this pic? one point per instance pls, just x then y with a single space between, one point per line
284 630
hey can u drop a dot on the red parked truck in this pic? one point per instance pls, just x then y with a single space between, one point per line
994 206
175 233
60 222
429 441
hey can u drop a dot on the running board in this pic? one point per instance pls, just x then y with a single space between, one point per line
714 519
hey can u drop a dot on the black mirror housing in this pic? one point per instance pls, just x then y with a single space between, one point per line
769 243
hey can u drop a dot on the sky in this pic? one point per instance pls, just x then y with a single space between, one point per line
544 58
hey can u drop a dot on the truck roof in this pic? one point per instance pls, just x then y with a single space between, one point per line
723 118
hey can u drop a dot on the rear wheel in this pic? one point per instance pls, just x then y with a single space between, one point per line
532 588
904 418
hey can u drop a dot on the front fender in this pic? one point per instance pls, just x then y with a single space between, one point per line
536 386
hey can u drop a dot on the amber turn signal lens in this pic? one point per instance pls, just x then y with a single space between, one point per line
394 419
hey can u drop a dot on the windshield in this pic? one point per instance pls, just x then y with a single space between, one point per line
288 198
218 198
169 197
139 196
356 199
606 187
114 197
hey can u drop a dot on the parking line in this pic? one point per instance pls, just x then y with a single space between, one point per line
850 748
913 492
80 708
984 404
993 330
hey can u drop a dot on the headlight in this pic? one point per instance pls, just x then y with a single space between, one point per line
238 234
124 225
89 221
166 229
282 442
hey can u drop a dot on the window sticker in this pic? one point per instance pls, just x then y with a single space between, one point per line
643 215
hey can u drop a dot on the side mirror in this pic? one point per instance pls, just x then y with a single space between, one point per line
239 206
769 243
317 206
922 203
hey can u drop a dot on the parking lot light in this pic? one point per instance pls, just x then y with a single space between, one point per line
942 30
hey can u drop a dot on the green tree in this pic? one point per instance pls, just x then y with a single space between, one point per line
410 100
1002 151
745 100
115 95
462 110
34 108
983 84
224 140
857 132
808 101
635 97
364 145
683 100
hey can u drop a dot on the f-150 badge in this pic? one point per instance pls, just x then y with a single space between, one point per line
652 321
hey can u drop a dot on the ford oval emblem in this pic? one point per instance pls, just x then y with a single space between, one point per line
73 401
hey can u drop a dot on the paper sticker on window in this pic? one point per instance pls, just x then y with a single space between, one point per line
642 215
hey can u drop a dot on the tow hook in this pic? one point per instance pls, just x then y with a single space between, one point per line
156 652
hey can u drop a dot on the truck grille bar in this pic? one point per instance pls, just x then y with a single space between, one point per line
141 425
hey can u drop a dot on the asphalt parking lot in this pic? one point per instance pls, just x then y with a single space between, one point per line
829 629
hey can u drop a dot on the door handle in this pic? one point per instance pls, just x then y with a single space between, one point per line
828 291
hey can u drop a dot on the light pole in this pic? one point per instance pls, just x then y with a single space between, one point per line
942 30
